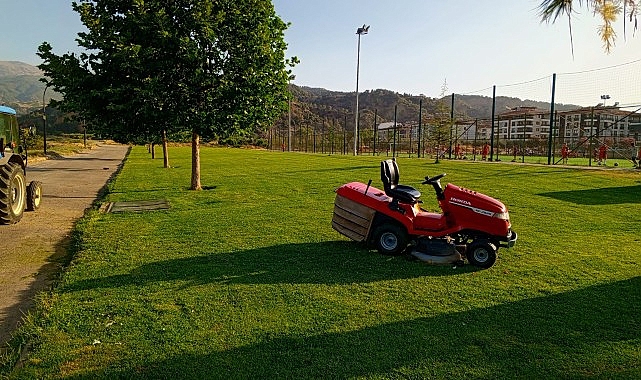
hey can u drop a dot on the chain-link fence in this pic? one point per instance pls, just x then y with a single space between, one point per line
583 118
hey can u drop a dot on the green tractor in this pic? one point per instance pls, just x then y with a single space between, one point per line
15 195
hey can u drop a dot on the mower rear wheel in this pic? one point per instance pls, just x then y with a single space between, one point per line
390 239
481 254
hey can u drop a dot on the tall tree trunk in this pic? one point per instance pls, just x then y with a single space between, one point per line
153 151
195 161
165 151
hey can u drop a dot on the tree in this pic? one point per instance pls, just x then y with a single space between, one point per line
440 126
213 67
608 10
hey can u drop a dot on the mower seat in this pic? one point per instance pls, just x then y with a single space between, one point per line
398 193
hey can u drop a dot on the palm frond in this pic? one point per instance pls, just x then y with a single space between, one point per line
607 10
550 10
631 12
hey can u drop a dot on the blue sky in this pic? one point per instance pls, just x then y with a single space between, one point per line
413 46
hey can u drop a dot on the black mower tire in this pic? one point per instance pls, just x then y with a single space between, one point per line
12 193
390 239
34 195
481 254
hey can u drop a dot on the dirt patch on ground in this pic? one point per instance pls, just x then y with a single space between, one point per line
35 249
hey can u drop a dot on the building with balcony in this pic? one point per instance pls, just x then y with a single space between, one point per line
525 123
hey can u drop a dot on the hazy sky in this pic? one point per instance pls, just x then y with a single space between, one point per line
413 46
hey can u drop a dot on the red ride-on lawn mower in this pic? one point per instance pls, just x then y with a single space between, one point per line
472 224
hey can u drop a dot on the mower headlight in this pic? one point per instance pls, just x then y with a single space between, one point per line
502 215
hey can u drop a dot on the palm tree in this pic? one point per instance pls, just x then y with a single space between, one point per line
607 10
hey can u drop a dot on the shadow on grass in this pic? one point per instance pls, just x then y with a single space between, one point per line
159 189
601 196
336 262
592 333
151 190
374 169
512 171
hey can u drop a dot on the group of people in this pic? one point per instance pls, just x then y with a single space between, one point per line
485 152
460 155
600 154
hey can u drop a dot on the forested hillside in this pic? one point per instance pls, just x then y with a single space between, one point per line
20 86
317 105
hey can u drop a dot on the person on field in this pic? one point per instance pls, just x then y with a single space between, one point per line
457 151
486 151
565 151
603 154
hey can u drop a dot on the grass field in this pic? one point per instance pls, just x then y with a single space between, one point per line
618 161
247 279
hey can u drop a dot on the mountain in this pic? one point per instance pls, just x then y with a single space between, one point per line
318 105
15 68
20 86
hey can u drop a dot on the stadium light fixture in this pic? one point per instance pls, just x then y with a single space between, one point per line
360 31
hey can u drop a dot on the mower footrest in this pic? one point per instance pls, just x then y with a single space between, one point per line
511 240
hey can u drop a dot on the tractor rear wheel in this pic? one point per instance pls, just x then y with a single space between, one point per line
34 195
390 239
12 193
481 254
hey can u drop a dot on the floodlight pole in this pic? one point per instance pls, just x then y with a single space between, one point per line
289 114
289 126
360 31
44 120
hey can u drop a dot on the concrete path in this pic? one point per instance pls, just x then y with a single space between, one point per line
34 249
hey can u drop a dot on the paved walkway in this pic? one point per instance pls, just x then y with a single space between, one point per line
34 249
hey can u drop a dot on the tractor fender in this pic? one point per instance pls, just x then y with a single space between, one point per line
7 158
381 219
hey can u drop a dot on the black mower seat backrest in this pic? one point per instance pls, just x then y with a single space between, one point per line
401 193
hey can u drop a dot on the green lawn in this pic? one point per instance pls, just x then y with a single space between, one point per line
618 162
247 279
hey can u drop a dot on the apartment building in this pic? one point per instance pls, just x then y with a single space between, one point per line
603 122
523 123
532 123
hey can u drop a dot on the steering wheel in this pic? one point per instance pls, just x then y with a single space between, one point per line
433 180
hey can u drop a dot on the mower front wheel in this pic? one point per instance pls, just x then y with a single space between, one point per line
390 239
481 254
